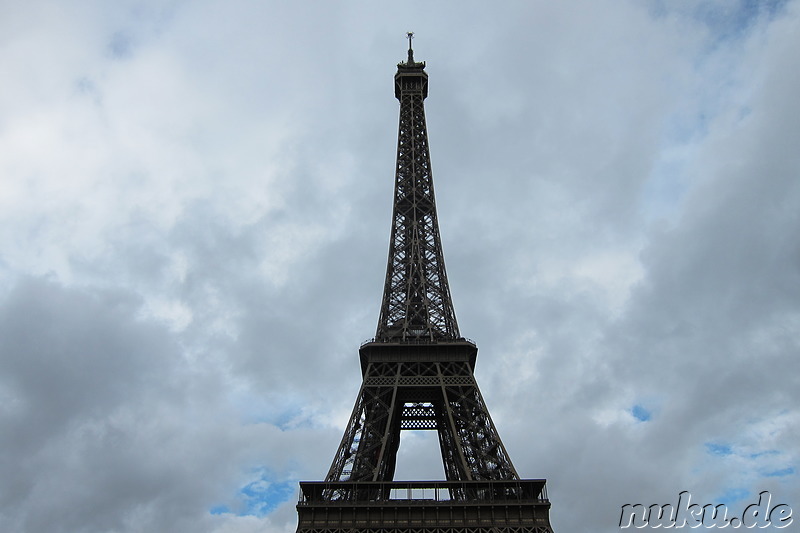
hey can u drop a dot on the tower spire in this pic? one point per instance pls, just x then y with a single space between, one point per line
409 36
416 304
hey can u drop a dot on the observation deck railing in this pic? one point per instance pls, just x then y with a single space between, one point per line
322 493
411 340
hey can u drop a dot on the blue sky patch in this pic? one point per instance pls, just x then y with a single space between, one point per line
263 495
733 495
259 497
640 413
718 449
764 453
729 19
781 473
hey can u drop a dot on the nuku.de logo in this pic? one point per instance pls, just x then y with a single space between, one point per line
693 515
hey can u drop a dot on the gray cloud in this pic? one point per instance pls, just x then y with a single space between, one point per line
194 213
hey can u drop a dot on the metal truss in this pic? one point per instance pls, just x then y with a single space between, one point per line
425 507
416 295
442 529
422 395
418 375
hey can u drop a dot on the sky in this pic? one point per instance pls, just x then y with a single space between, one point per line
195 205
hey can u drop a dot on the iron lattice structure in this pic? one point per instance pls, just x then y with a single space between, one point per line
418 374
416 295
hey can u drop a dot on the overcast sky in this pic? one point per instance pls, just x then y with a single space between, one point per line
195 203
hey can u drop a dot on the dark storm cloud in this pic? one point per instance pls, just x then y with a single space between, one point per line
74 363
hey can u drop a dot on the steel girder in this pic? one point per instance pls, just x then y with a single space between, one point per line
418 375
416 297
518 506
441 396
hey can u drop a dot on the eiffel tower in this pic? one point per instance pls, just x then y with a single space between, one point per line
418 375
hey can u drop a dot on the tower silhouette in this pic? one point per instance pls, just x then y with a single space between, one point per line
418 375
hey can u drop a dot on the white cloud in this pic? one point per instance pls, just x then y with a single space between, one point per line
194 207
